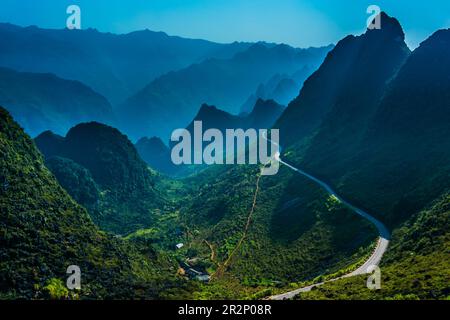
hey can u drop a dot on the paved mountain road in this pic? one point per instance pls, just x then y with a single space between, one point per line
373 260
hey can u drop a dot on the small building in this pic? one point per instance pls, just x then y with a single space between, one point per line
179 245
203 278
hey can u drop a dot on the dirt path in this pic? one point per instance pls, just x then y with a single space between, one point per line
213 252
222 268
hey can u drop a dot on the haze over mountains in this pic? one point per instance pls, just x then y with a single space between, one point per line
222 82
352 76
282 88
42 101
123 194
263 116
373 121
116 66
146 76
381 138
45 231
156 154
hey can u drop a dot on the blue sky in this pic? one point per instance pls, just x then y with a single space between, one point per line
300 23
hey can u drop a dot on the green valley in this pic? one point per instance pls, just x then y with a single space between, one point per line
363 180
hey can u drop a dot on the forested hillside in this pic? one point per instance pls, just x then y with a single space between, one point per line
127 198
43 231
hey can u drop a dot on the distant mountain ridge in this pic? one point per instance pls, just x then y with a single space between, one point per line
223 82
114 65
282 88
42 101
263 116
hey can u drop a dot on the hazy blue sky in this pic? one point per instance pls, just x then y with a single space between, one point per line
296 22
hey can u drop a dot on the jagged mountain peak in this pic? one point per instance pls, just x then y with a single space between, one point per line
209 111
362 64
389 25
262 106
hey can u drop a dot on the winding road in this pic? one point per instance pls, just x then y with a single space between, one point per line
373 260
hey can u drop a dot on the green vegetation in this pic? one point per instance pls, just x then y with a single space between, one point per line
55 289
43 231
296 233
384 145
417 266
101 169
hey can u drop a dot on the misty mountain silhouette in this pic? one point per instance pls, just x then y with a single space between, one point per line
353 75
172 100
114 65
45 102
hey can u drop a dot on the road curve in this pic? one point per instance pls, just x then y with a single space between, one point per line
373 260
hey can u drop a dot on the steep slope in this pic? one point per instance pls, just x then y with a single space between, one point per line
129 198
43 231
116 66
403 158
45 102
223 82
388 140
351 79
262 116
109 156
380 54
75 178
294 233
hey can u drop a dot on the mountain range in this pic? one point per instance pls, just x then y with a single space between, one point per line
142 76
282 88
114 65
372 121
158 155
381 135
43 102
222 82
98 159
263 116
